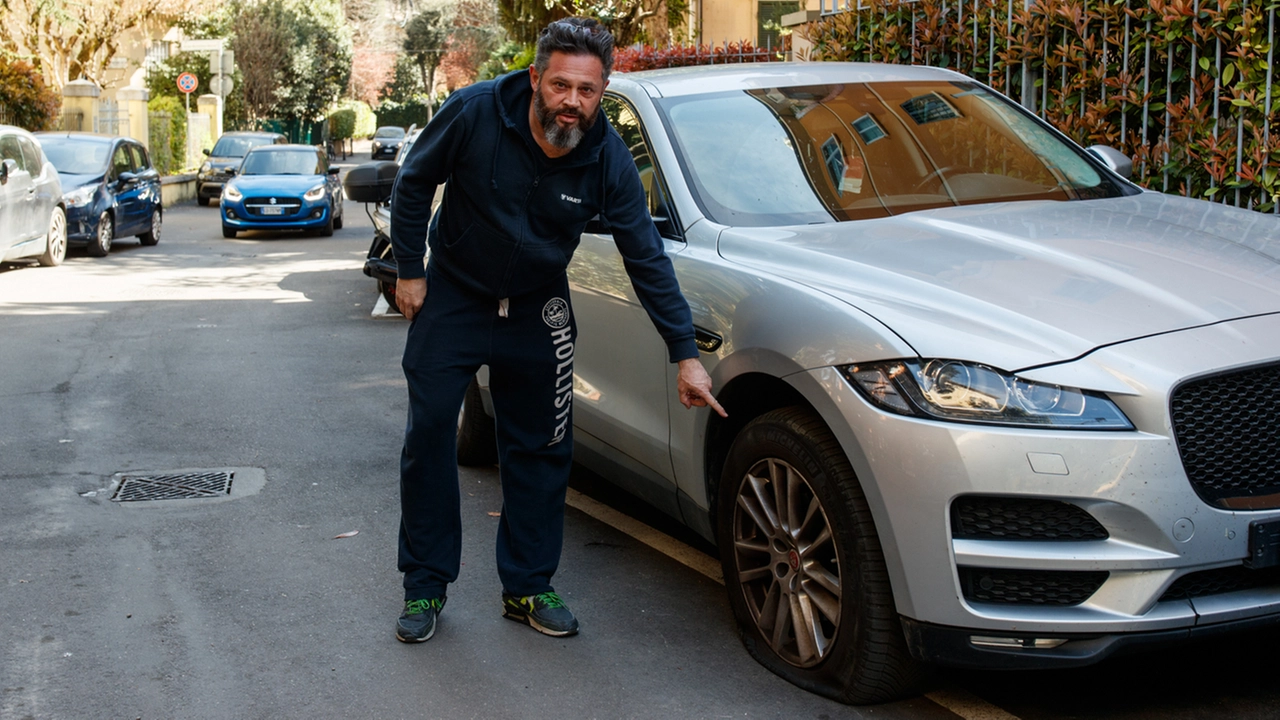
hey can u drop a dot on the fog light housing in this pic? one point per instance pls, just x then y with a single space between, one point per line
317 213
231 214
1018 643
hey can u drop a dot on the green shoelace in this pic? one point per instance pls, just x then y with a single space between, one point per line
551 600
418 607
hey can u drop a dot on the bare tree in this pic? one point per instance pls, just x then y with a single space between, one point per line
69 40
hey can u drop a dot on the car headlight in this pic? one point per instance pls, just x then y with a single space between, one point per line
231 193
377 145
315 193
80 196
963 391
205 167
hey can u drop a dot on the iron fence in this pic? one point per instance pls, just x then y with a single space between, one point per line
112 119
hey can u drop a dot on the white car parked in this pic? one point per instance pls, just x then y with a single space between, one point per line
33 223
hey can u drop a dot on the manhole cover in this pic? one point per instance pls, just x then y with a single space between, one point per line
176 486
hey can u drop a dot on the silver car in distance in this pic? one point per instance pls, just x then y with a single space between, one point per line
990 404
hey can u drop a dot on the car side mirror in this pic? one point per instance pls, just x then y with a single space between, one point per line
598 226
334 169
7 168
207 152
231 171
127 177
1116 161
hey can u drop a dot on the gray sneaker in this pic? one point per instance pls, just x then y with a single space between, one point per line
418 621
544 612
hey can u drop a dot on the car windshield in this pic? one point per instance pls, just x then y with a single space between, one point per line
796 155
232 146
389 132
280 162
75 156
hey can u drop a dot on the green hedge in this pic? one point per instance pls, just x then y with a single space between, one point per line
24 98
410 112
168 143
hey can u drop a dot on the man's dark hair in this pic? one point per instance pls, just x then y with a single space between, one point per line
576 36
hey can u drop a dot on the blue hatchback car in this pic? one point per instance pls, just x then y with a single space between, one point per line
283 187
109 188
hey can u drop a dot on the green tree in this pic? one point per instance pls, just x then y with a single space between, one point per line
318 63
406 82
524 19
426 41
261 44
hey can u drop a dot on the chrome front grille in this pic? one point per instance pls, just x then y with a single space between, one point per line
267 206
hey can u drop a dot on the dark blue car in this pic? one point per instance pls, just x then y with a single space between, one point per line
109 188
283 187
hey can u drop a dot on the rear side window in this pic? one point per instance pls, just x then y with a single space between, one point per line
140 160
121 162
32 155
11 150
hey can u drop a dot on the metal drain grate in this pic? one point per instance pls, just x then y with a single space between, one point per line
177 486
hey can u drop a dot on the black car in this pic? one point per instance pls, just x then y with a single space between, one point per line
225 157
387 141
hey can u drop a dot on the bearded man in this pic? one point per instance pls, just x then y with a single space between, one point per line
527 160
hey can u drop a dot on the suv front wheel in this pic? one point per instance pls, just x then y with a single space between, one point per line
802 563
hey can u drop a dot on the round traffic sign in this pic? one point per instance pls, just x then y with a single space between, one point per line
187 82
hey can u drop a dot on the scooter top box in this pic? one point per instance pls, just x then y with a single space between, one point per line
371 182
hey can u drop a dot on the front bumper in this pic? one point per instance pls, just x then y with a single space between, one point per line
388 151
307 215
211 187
1158 530
82 224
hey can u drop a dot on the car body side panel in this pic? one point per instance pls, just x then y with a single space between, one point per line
623 408
768 325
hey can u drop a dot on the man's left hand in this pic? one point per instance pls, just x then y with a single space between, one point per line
694 386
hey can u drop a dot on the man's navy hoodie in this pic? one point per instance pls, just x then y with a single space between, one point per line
511 217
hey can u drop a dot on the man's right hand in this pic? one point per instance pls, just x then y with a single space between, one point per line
410 294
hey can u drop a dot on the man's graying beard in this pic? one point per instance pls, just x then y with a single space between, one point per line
567 138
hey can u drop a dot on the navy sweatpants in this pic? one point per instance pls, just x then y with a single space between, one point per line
530 359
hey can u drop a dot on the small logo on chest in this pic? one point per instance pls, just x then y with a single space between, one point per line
570 199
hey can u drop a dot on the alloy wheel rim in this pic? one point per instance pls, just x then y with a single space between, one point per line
104 232
787 562
155 225
58 236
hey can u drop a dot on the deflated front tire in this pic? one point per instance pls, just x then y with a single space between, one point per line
803 566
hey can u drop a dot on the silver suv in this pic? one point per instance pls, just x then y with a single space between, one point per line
990 404
33 222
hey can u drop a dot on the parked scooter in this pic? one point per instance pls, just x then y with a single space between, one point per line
371 183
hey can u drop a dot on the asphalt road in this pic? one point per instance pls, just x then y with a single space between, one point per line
260 356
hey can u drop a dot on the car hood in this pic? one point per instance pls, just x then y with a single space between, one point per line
71 181
222 163
1024 284
276 184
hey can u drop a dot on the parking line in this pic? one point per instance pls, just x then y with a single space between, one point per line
968 706
661 542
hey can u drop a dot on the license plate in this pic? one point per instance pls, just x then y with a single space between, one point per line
271 210
1264 544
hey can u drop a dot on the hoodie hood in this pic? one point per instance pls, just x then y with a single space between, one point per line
1019 285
